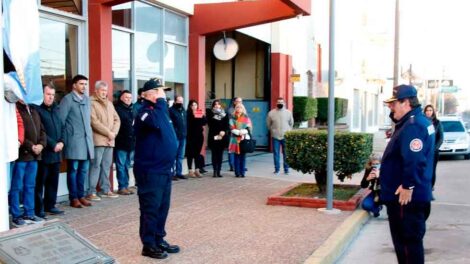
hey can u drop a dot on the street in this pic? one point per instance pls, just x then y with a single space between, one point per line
448 228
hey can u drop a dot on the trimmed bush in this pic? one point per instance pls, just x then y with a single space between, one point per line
306 151
341 109
305 108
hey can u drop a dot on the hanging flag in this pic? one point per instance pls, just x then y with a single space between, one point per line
21 44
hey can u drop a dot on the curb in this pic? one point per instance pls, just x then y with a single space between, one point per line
337 242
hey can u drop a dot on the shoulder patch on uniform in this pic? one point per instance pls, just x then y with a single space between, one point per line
416 145
144 116
431 129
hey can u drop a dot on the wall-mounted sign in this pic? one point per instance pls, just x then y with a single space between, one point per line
295 77
433 84
447 83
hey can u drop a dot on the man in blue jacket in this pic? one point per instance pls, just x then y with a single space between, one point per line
155 153
406 173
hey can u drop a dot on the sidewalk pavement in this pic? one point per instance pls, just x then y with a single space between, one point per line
224 220
447 236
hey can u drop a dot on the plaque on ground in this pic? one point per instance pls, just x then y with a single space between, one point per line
52 244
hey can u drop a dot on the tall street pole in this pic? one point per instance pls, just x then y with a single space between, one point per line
4 220
396 49
331 110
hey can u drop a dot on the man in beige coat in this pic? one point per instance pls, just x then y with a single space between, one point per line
105 124
279 121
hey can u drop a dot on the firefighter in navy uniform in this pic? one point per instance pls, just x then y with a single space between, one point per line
406 173
155 153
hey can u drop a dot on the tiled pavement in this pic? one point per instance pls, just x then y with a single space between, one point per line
214 220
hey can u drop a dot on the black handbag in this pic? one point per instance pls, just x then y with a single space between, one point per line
248 145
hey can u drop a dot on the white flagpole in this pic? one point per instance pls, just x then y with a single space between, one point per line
4 223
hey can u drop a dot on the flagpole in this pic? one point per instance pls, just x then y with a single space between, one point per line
4 218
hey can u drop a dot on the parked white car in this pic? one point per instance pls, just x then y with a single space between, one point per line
456 137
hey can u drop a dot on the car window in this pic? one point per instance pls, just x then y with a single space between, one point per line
452 126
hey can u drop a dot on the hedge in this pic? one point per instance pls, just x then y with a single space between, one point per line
306 151
305 108
341 108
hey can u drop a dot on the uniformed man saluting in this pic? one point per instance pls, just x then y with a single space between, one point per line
406 173
155 153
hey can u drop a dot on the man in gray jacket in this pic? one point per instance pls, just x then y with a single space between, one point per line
279 121
78 139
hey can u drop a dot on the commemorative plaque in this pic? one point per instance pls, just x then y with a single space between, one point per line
53 244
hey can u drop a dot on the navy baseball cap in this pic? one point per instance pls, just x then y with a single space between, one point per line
154 83
401 92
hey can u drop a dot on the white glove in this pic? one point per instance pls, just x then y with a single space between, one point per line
236 132
243 131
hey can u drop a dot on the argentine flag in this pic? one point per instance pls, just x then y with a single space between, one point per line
21 44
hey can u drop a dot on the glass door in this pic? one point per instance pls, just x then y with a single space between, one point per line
58 49
122 79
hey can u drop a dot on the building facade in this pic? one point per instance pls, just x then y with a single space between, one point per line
127 42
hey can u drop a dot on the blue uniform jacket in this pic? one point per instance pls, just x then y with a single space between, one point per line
155 149
408 158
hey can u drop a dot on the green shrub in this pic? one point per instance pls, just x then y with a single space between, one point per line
306 151
341 109
305 108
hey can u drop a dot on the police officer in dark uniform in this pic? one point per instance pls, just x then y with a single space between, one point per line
155 153
406 173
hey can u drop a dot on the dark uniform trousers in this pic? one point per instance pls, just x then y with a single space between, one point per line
47 180
408 226
154 206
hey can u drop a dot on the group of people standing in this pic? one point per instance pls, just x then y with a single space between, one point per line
162 137
89 131
84 130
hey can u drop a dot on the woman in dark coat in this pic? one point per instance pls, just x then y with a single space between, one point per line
431 114
195 137
217 120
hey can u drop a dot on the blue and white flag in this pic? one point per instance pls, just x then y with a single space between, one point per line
21 43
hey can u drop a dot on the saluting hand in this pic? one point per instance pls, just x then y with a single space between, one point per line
404 195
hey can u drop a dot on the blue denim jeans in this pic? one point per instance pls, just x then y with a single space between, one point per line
231 160
154 207
9 172
369 205
77 171
123 164
23 181
277 144
179 157
239 164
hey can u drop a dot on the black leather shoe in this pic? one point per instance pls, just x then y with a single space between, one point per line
42 215
154 252
202 170
181 177
54 211
174 178
169 248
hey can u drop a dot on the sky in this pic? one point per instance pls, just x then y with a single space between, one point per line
434 39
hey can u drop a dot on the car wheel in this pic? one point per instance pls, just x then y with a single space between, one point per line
467 156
